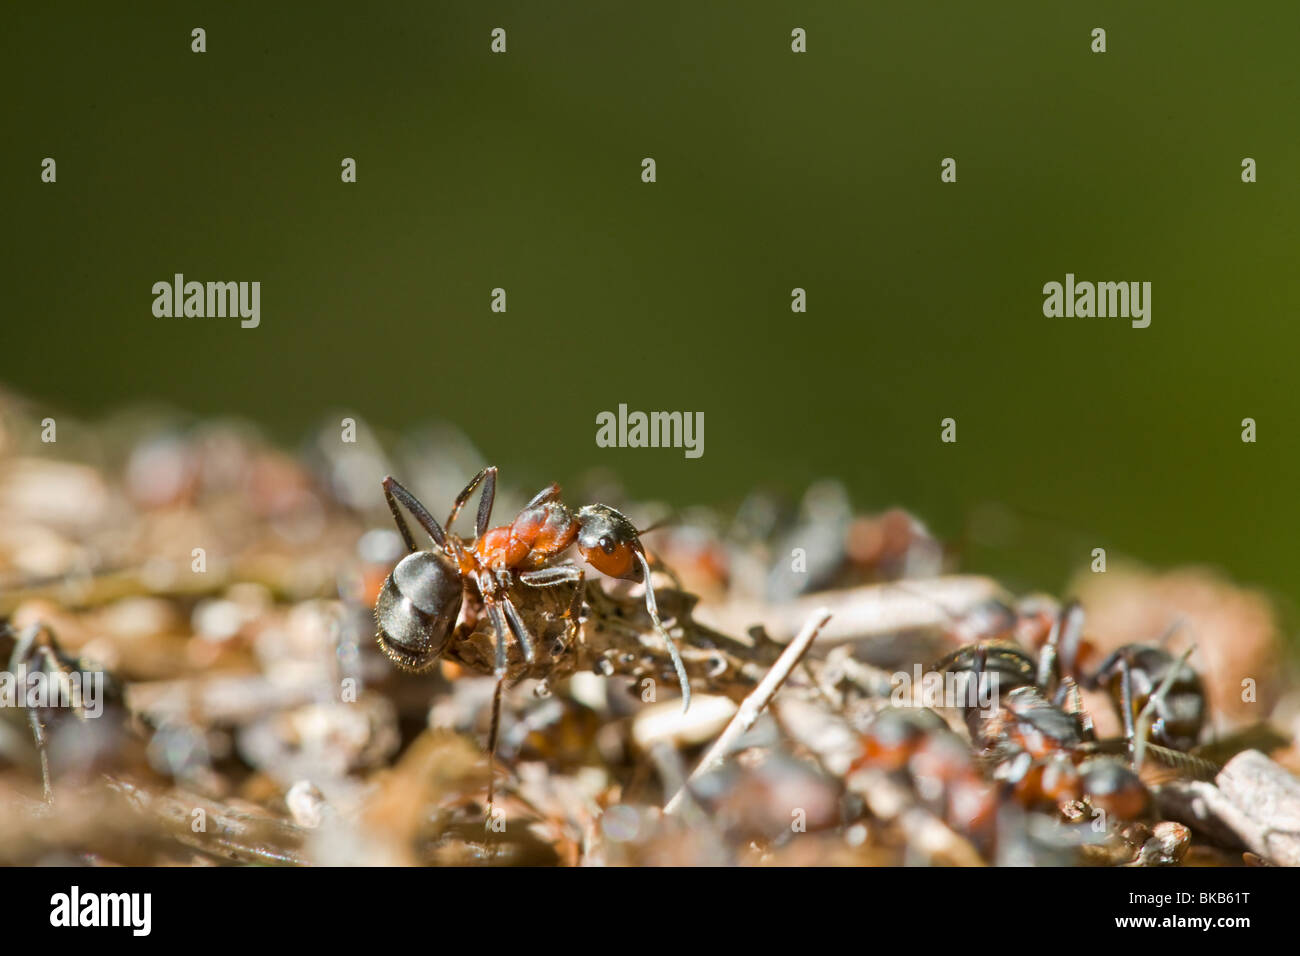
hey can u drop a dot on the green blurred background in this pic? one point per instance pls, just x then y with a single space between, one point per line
775 170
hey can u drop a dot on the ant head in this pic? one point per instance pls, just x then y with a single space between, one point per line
609 542
417 609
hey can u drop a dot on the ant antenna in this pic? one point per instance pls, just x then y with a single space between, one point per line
952 616
1174 626
656 525
1145 718
653 607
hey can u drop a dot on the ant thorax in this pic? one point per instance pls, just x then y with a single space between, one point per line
536 536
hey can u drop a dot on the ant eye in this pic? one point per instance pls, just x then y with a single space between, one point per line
607 544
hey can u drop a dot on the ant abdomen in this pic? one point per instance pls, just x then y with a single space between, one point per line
417 609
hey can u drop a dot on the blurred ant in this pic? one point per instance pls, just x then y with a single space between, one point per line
1139 679
36 651
1131 675
421 599
1038 734
914 745
1038 730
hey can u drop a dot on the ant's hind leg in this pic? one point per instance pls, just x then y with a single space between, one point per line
549 493
488 478
394 492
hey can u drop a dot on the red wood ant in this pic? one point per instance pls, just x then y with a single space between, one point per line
1138 678
1038 726
1132 675
420 601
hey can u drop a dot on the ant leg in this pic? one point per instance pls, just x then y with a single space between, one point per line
1071 636
1126 696
498 619
1071 701
575 610
550 577
1049 659
519 628
394 492
1158 730
485 503
653 607
489 494
24 647
506 620
549 493
38 735
561 574
26 651
493 733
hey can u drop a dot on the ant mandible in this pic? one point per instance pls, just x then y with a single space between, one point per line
420 600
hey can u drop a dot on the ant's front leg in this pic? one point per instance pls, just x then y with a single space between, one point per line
549 493
498 619
562 574
506 619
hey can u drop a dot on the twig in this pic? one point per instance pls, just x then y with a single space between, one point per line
1253 802
870 610
753 705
